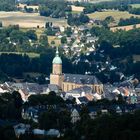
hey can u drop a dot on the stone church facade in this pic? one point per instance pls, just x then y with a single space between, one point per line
71 81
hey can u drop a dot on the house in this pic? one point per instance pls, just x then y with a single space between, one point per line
137 89
50 132
30 113
62 28
27 89
82 100
91 39
110 92
82 94
53 133
92 112
104 111
38 132
82 28
4 89
21 129
118 110
75 116
55 29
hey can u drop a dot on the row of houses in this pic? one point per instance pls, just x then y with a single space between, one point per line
82 94
32 113
21 129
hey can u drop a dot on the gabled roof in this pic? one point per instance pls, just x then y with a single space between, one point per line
81 79
53 87
85 89
83 100
138 86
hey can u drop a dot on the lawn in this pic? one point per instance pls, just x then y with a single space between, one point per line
55 39
28 20
126 28
135 5
117 15
97 1
31 55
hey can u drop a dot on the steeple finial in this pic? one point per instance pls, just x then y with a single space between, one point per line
57 52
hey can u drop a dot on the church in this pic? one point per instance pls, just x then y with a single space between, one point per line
68 82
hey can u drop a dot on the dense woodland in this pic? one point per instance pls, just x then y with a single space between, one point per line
7 5
111 126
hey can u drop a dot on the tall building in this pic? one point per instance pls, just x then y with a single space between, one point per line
72 81
57 77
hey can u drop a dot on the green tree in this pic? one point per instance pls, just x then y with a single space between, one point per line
43 40
0 24
31 35
63 40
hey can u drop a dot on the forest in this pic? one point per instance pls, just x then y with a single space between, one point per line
7 5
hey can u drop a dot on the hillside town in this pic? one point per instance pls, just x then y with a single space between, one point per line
70 70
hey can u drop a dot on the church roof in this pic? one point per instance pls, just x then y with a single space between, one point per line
81 79
57 59
85 89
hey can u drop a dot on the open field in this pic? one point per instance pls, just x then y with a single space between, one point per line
117 15
28 20
135 5
31 55
126 28
97 1
56 40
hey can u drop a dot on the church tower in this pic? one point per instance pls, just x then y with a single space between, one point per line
57 76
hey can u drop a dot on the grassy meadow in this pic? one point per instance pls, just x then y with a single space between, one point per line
97 1
117 15
135 5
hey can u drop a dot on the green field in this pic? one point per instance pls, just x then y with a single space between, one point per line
31 55
135 5
97 1
56 40
117 15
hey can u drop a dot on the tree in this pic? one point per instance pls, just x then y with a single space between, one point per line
68 31
0 24
63 40
10 106
50 99
48 120
31 35
53 42
43 40
7 5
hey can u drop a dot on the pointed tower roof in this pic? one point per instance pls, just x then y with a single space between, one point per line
57 59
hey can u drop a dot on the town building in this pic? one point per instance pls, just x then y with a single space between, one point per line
69 82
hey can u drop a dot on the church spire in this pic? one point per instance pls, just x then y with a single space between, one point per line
57 59
57 52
